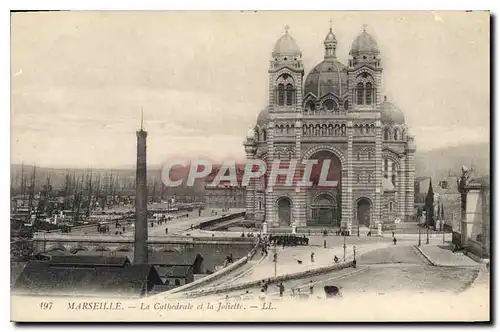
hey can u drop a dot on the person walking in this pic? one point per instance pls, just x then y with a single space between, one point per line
336 259
395 241
312 257
311 287
324 244
281 288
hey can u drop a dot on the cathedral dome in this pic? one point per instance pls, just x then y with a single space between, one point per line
364 43
328 76
263 117
390 113
286 45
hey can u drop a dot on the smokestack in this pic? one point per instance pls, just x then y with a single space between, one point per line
141 201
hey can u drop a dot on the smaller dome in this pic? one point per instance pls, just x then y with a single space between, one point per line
286 45
390 113
250 134
364 43
263 117
387 185
330 37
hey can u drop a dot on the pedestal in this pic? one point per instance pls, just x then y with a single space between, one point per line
379 229
264 227
294 228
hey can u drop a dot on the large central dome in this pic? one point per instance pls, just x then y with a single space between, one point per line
329 76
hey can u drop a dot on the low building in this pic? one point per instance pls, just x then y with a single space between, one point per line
225 195
176 269
176 275
43 278
476 226
78 261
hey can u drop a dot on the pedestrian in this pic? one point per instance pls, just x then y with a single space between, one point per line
311 287
123 229
324 243
394 240
275 257
282 289
166 230
336 259
312 257
392 233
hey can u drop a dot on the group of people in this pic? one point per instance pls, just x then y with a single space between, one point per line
248 234
288 240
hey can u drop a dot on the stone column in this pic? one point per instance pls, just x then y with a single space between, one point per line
378 175
410 171
250 149
402 189
300 193
347 190
141 202
270 200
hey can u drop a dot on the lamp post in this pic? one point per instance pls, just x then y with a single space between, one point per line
275 258
419 240
354 249
344 246
427 240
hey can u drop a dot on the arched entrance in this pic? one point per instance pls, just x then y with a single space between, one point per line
363 211
324 194
324 210
284 211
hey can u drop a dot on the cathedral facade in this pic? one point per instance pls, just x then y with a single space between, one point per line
338 113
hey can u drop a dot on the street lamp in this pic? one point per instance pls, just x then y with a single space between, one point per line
344 246
419 241
275 258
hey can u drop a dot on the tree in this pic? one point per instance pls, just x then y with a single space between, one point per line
429 205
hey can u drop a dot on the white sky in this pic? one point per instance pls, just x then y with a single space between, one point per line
79 79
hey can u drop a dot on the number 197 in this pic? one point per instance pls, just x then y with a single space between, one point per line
46 305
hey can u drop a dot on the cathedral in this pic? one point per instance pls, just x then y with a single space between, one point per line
336 112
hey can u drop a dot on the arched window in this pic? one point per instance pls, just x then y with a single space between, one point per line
357 178
329 104
346 105
386 168
391 207
368 93
177 282
281 95
359 94
369 155
260 205
369 178
386 134
393 179
395 134
289 94
310 106
264 135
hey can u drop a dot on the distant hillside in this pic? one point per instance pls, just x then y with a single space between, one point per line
438 163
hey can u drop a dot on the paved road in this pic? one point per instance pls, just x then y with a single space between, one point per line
176 226
382 271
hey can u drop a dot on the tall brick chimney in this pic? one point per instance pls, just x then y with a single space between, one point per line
141 201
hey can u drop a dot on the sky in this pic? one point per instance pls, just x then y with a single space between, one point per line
80 79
